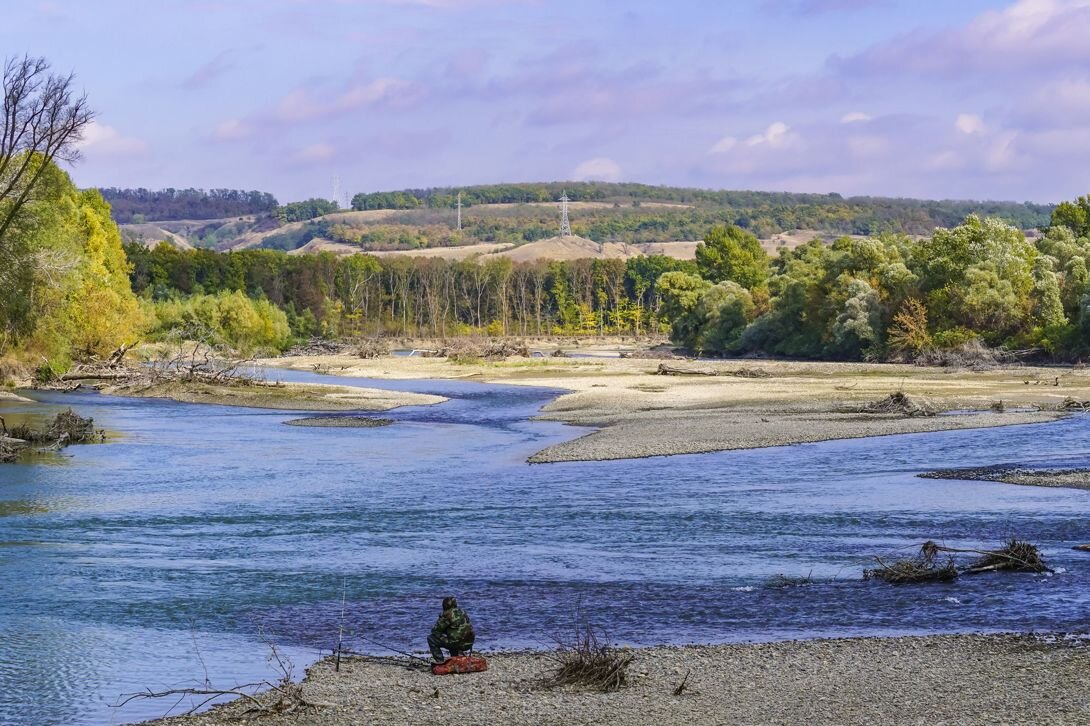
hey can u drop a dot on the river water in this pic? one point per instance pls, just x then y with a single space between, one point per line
171 554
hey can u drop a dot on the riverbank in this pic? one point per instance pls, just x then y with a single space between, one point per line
965 679
1066 478
282 396
738 404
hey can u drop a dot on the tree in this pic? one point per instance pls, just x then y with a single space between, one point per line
731 253
1073 215
42 121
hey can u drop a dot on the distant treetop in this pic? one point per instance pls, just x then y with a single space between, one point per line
173 204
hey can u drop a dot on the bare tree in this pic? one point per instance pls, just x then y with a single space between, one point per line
43 120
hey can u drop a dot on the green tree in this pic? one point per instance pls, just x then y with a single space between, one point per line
730 253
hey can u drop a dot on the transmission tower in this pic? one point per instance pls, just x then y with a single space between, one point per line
336 190
459 211
565 225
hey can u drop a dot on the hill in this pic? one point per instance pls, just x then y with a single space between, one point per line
624 215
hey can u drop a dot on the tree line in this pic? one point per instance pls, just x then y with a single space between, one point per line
143 205
890 297
754 210
360 295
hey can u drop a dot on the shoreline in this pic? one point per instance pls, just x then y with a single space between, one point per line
283 396
1018 475
963 678
731 405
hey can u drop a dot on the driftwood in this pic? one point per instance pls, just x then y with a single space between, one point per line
898 403
284 696
1070 404
587 662
1015 556
668 370
924 567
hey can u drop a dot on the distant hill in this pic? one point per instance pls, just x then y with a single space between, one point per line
516 215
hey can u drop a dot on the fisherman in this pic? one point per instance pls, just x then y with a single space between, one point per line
452 631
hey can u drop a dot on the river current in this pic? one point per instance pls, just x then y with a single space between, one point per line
170 554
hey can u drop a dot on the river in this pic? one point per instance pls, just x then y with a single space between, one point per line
170 554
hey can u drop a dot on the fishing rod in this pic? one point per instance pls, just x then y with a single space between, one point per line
395 650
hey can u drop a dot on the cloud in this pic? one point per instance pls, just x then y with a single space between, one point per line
313 153
777 135
856 117
100 140
303 104
969 123
724 145
209 72
818 7
232 130
597 169
1026 35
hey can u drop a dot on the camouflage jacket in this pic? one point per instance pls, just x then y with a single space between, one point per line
454 626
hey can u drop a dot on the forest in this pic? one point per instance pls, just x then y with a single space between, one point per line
141 205
887 297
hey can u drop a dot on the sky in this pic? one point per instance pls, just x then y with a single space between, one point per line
966 99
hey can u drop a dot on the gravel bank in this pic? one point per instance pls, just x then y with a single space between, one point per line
340 422
1068 478
286 396
661 433
642 414
963 679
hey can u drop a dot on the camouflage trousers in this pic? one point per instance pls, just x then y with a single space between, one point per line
436 645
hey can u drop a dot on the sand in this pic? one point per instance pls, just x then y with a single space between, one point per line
638 414
963 679
287 396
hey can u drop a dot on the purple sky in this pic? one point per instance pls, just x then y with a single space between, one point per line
923 98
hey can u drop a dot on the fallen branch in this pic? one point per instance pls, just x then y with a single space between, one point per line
667 370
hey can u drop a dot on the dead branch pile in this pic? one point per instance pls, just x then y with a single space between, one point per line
747 372
973 355
462 349
588 663
666 370
373 348
110 368
201 364
318 346
659 352
67 428
1015 556
899 403
9 449
924 567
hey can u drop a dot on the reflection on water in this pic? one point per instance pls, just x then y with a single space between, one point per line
135 562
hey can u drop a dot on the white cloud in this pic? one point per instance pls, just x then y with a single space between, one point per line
316 152
724 145
101 140
232 130
855 117
303 105
969 123
777 135
597 169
